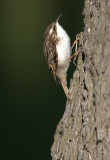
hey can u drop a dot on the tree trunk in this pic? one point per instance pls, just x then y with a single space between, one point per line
83 133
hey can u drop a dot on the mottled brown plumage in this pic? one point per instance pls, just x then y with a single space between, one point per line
50 49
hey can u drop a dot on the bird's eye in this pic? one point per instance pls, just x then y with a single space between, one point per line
53 28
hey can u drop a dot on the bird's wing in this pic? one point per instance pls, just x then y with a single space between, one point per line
52 58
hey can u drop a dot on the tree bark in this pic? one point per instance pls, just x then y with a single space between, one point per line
83 133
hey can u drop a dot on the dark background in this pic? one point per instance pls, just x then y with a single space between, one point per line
31 104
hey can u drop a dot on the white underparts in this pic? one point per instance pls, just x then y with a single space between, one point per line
63 48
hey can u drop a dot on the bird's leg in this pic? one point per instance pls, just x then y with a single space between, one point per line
75 42
75 54
65 88
76 48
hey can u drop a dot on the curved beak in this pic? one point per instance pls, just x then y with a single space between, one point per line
58 18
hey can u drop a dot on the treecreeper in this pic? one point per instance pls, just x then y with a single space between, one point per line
57 51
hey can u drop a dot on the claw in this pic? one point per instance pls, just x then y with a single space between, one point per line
76 49
75 42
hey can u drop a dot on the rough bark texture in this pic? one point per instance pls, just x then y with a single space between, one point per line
83 133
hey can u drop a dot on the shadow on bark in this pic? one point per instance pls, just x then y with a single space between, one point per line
83 133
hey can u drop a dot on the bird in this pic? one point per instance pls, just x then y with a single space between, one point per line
57 51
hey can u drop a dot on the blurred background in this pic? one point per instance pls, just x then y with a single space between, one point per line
31 103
